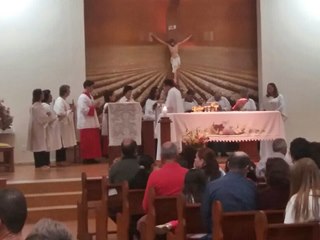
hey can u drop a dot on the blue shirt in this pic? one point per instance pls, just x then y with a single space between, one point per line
234 191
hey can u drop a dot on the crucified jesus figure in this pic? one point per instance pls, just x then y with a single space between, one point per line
174 51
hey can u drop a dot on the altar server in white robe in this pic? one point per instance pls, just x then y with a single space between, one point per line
151 105
88 124
65 113
53 128
273 101
174 101
37 134
126 94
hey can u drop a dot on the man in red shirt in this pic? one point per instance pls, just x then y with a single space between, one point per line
169 180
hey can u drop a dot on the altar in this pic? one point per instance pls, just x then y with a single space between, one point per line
222 127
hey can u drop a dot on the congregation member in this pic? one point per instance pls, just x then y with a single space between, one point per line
37 141
315 152
169 179
189 101
272 101
127 168
146 163
206 161
234 190
65 114
299 148
48 229
244 103
13 214
194 186
279 150
276 194
53 135
174 100
127 94
109 97
304 204
224 104
88 124
151 105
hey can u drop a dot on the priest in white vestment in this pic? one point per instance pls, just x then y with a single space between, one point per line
37 134
88 124
245 103
174 101
224 104
66 123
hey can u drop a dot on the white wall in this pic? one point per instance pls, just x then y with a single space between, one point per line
290 57
41 47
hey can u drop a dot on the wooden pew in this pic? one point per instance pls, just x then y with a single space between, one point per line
161 209
131 206
238 225
94 192
192 223
300 231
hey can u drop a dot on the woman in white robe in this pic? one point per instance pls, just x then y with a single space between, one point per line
151 104
53 137
273 101
67 129
109 96
37 134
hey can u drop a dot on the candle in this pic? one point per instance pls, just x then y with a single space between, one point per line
164 111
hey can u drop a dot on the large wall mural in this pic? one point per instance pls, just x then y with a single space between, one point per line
125 44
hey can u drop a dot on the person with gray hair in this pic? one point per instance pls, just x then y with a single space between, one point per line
234 190
13 213
279 150
48 229
169 179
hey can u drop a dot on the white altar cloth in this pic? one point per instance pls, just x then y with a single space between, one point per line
225 126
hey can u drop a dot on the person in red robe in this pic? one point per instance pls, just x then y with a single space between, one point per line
88 125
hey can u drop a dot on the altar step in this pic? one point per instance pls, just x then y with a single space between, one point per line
56 199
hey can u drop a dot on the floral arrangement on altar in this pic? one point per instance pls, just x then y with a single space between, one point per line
195 138
5 117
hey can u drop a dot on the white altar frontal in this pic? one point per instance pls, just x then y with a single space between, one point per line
224 126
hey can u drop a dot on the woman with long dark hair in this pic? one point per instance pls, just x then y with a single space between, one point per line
39 118
206 160
273 101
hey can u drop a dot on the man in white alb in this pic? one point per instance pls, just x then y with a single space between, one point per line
174 102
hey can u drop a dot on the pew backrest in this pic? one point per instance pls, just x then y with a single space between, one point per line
281 231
